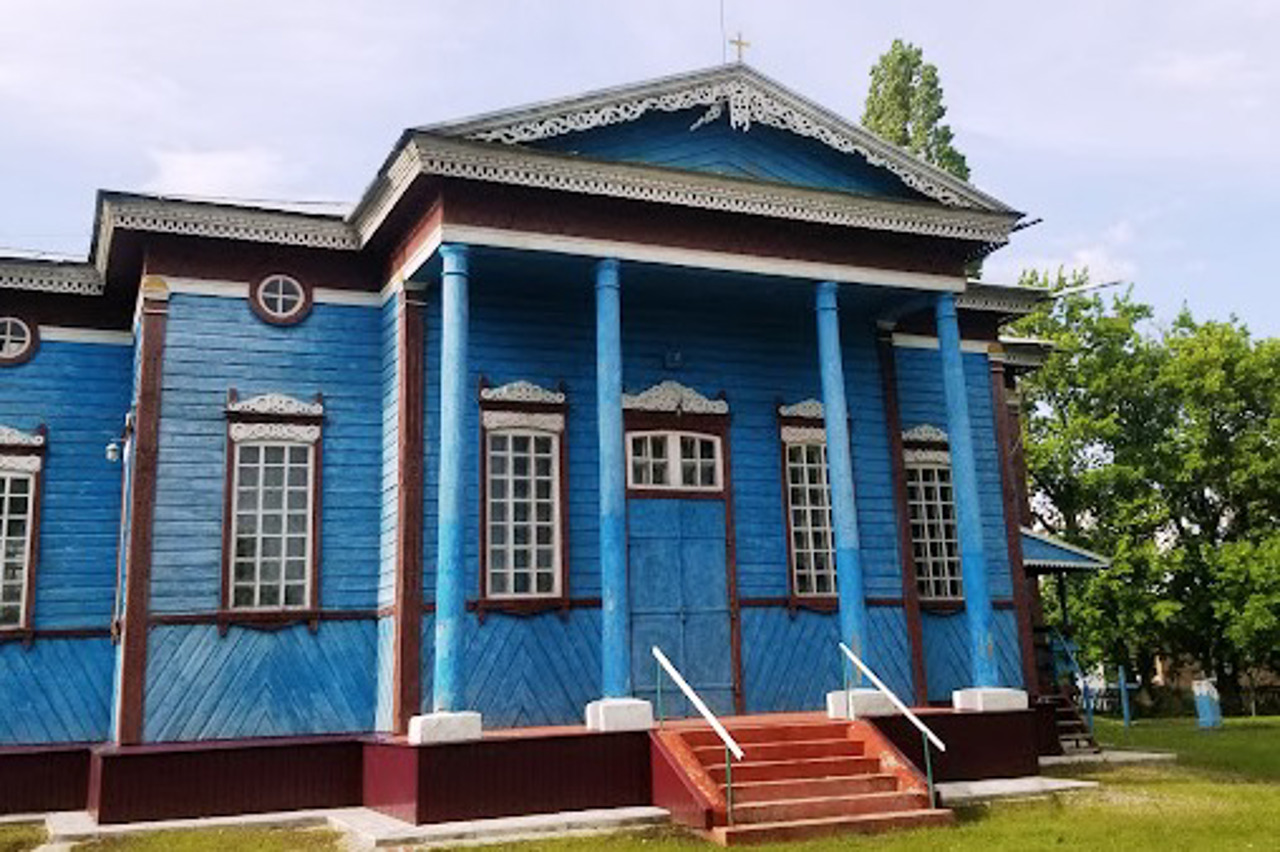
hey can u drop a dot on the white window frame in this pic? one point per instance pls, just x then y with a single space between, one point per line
23 582
804 443
933 570
675 461
263 437
511 426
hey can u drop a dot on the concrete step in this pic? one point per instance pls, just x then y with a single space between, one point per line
777 770
745 734
809 788
786 750
771 832
892 801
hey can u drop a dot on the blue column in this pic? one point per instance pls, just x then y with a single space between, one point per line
964 484
451 597
616 612
844 510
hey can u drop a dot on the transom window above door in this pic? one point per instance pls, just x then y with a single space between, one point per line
675 461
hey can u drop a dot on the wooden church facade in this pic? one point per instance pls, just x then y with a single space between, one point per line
690 364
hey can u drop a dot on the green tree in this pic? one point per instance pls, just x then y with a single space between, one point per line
904 106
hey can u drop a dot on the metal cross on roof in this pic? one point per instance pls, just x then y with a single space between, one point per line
739 44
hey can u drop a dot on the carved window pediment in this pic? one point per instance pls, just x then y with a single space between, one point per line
671 397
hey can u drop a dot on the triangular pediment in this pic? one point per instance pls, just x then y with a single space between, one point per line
731 121
1043 553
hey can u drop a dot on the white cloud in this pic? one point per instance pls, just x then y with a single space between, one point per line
244 173
1108 256
1220 71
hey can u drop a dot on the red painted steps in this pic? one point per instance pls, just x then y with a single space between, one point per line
806 779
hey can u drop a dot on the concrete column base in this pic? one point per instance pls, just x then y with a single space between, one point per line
989 699
443 727
857 703
620 714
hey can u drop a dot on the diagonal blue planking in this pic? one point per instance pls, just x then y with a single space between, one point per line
57 690
254 683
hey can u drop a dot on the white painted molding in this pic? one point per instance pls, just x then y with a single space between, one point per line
923 341
276 404
521 391
925 433
806 270
804 435
295 432
223 221
671 396
21 464
354 298
540 421
240 290
809 408
10 437
67 334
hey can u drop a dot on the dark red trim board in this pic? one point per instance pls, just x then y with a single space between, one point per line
146 437
979 745
37 779
406 690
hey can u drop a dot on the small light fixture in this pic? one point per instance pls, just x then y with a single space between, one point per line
113 452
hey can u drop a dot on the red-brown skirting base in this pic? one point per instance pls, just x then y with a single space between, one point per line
1047 742
186 780
35 779
979 745
507 776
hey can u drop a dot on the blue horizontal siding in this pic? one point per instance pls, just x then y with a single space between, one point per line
759 153
214 344
80 391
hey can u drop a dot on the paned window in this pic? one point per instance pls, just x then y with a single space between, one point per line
280 299
935 546
522 545
16 340
809 510
272 537
675 461
17 507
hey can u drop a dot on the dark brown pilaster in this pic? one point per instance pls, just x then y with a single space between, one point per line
407 667
1013 522
910 591
154 315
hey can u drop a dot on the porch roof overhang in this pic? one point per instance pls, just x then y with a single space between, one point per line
1046 554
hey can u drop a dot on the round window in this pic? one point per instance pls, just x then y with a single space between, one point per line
280 298
16 340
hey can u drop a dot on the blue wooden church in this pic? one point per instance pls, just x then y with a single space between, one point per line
691 364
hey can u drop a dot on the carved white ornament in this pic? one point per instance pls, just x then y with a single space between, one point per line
10 437
277 404
174 216
926 456
804 435
1000 299
925 433
521 167
295 432
80 279
810 408
747 103
521 391
673 397
20 464
540 421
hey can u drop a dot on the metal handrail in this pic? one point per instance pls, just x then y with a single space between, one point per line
731 747
1086 694
928 735
902 708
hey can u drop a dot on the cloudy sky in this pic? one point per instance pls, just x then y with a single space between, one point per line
1145 134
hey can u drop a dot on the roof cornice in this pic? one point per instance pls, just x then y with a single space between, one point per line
749 96
76 278
1005 299
430 154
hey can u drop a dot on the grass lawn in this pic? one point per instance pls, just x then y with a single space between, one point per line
20 838
1243 746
